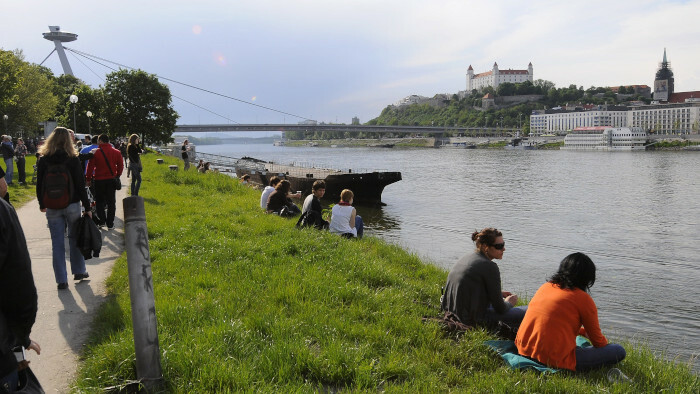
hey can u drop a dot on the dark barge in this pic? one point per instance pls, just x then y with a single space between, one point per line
366 186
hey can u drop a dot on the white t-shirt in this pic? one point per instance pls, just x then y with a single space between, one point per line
265 196
340 220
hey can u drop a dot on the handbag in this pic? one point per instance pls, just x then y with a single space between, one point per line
28 383
117 181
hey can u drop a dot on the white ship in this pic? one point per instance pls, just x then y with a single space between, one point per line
606 138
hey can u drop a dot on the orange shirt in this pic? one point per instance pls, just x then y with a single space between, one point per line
553 320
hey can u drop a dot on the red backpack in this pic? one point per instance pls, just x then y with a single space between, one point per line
58 187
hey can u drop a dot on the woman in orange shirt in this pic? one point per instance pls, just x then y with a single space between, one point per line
560 310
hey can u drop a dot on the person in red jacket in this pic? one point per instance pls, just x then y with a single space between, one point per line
105 165
560 310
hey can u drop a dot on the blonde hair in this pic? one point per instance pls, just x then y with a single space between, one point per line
132 139
59 140
346 195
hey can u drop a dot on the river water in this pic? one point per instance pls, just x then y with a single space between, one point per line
635 214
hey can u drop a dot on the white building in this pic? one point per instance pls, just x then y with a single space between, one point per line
683 118
496 77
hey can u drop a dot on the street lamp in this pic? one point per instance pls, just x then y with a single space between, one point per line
89 115
4 119
73 99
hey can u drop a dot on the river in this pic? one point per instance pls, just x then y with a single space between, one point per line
636 214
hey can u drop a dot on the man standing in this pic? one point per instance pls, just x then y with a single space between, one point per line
85 153
20 153
106 165
18 296
7 152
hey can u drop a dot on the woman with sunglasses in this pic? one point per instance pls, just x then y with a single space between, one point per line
473 290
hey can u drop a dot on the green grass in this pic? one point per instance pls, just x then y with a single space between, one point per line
21 194
246 302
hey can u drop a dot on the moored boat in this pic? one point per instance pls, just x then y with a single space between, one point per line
366 186
606 138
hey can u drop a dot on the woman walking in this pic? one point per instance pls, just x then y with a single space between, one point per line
134 150
60 157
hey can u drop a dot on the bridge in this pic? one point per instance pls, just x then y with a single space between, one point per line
435 130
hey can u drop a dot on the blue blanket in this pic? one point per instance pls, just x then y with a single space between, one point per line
509 352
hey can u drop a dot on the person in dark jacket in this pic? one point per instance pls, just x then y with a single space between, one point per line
473 290
8 152
59 149
18 296
106 165
134 151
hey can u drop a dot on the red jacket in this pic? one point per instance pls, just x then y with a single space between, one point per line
98 165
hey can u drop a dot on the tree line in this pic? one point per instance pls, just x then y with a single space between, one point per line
131 101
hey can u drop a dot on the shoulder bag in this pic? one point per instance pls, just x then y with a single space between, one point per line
116 180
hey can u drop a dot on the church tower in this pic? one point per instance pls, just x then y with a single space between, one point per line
663 83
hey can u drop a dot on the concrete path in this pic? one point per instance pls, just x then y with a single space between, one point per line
64 317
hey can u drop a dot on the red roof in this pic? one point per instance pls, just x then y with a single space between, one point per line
470 67
488 96
681 96
482 74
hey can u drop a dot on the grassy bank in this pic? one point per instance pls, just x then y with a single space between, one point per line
21 194
246 302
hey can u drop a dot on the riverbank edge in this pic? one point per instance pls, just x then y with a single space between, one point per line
383 292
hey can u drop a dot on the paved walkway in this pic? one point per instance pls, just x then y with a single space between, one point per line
64 317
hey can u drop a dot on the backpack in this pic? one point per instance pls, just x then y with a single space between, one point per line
58 187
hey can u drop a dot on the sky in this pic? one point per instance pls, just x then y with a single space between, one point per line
331 60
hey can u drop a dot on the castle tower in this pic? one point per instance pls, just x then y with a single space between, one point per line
59 37
470 76
529 70
663 83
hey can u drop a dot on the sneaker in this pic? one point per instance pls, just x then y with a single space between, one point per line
62 286
80 276
110 227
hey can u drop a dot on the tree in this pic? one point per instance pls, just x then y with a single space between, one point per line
136 102
26 93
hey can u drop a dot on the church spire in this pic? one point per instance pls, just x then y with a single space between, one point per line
665 61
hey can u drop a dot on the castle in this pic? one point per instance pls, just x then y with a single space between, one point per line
496 77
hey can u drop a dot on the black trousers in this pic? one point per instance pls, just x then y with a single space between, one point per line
105 195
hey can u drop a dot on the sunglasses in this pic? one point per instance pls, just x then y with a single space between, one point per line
499 246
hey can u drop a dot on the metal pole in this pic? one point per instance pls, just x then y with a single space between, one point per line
74 123
143 310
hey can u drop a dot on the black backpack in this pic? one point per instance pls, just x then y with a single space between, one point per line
58 187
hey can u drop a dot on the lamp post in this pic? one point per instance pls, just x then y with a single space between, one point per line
89 115
4 119
73 99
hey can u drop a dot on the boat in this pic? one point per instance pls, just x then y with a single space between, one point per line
278 143
521 144
459 145
366 186
606 138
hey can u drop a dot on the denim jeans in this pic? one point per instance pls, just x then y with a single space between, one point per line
135 180
105 195
359 225
58 220
9 170
10 381
590 357
513 317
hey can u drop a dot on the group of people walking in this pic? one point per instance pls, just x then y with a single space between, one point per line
16 153
546 329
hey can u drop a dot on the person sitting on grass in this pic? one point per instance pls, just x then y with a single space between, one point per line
279 201
473 290
268 190
344 218
561 309
312 212
245 180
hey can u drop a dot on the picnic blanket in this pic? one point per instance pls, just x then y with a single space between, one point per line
509 352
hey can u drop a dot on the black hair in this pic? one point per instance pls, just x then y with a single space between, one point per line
575 271
103 138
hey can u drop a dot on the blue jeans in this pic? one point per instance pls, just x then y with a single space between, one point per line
589 357
10 381
135 180
359 225
513 317
58 220
9 170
